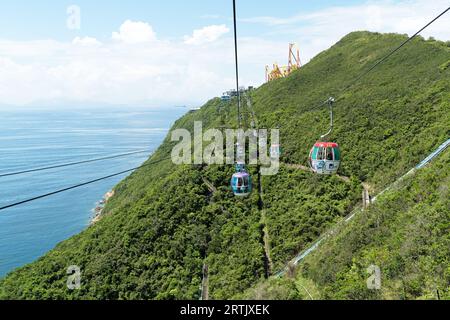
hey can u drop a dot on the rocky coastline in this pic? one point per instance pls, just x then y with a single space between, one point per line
100 206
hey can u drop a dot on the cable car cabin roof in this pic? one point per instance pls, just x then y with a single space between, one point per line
241 175
326 145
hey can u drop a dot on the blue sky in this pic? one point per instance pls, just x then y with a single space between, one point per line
32 20
162 53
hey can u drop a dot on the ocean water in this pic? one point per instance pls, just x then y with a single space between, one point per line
37 138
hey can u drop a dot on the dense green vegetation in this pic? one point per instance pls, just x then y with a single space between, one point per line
385 124
406 234
165 222
301 206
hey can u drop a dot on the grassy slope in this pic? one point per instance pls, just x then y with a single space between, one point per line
406 233
300 207
164 223
399 112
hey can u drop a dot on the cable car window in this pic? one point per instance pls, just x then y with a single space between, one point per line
330 154
320 154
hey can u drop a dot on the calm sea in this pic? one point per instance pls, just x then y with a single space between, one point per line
37 138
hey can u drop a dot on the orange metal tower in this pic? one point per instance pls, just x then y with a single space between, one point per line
294 58
294 63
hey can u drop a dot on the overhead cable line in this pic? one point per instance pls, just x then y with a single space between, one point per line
382 60
63 165
392 53
79 185
237 63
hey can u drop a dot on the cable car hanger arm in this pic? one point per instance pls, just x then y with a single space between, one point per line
330 102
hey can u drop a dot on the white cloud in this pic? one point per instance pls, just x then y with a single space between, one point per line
155 74
132 32
206 34
161 72
317 31
86 41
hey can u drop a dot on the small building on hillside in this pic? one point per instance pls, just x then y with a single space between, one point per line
228 95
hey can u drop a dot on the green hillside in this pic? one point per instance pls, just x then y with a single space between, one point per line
406 233
165 222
